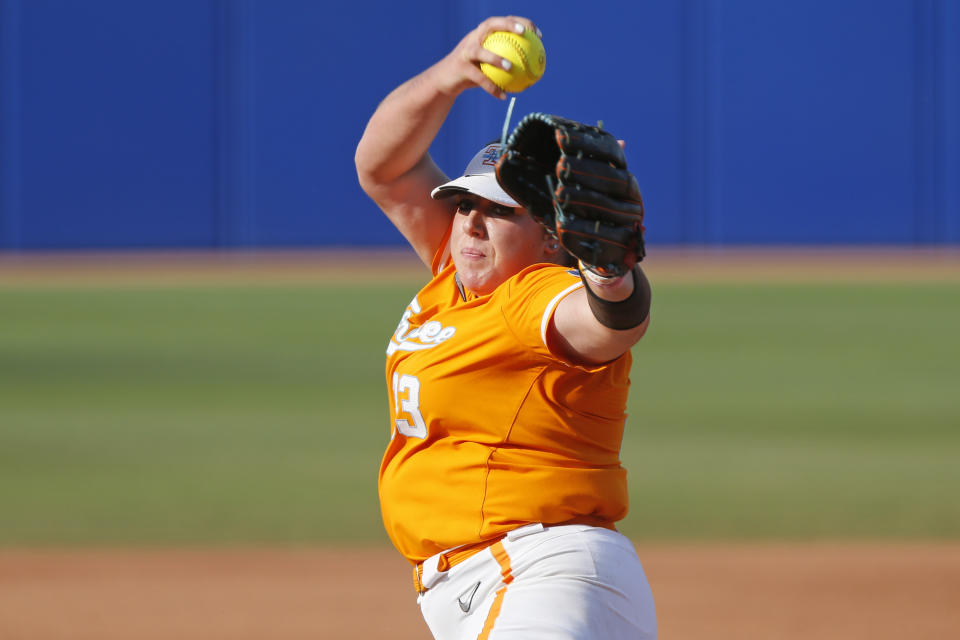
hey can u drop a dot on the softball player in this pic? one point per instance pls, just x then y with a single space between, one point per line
501 482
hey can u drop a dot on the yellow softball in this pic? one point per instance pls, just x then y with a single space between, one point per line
524 51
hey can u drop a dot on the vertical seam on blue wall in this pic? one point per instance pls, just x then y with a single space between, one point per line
454 127
217 129
236 132
444 154
693 122
924 123
950 133
10 158
941 182
250 128
939 128
714 126
685 115
227 150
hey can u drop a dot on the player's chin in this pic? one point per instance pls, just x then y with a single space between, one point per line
479 282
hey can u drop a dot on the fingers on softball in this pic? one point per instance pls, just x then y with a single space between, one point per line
481 56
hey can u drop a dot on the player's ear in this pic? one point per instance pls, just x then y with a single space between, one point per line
552 250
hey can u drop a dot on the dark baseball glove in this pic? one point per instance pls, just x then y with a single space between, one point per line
573 178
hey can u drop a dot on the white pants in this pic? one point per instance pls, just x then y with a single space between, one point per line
569 582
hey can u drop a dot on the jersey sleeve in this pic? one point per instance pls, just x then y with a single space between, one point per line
531 299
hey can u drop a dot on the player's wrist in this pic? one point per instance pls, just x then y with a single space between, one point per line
600 281
622 306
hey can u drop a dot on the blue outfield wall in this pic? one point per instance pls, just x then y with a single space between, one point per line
232 123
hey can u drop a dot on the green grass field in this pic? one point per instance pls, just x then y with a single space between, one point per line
238 415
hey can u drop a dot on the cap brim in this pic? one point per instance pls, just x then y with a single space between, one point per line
485 186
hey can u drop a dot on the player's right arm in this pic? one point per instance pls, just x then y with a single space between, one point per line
393 161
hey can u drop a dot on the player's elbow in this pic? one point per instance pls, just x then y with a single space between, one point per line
366 169
377 179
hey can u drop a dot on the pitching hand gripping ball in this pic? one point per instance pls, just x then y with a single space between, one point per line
525 51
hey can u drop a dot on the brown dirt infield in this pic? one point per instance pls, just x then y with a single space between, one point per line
720 592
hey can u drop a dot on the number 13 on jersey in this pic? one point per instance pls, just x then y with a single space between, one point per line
406 402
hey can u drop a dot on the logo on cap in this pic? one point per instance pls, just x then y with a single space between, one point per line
491 154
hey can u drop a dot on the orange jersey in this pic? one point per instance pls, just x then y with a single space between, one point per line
492 430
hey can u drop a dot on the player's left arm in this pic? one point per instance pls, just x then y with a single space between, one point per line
573 178
600 325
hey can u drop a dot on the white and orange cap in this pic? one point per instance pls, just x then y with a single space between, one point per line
479 178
